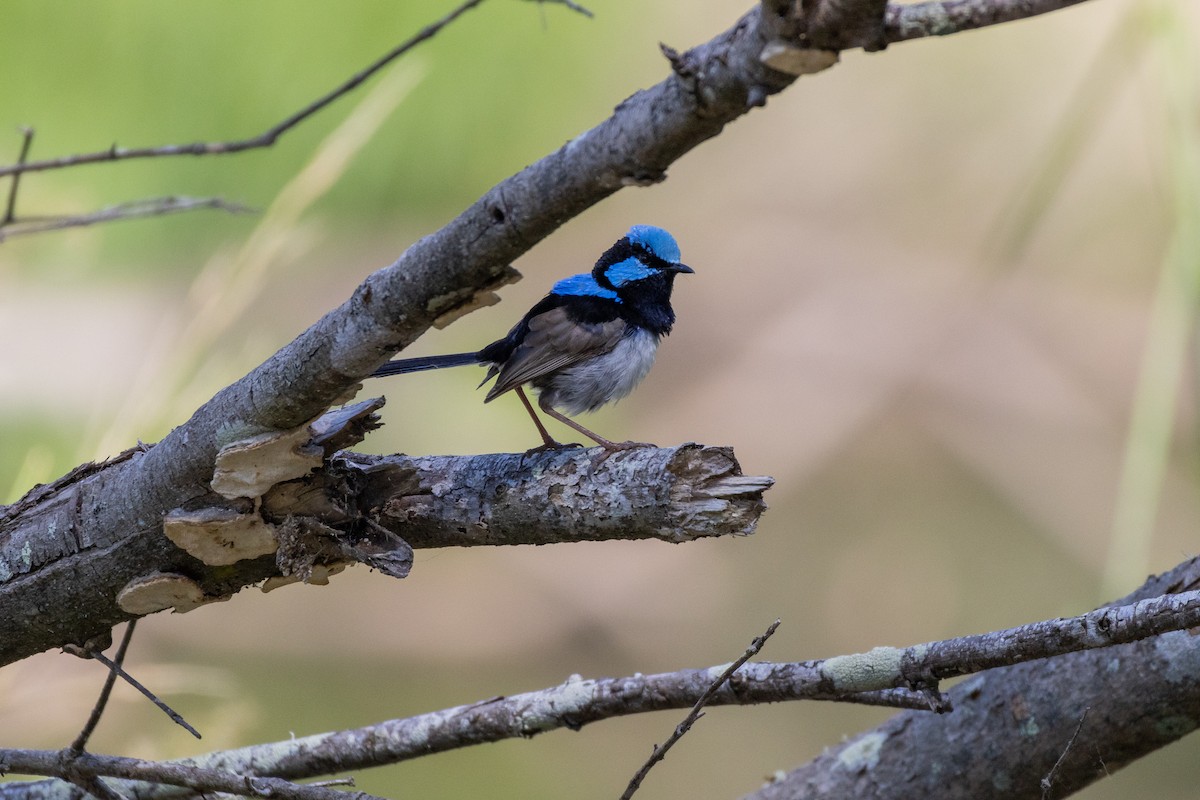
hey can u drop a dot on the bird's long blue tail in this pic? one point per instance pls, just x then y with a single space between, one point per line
403 365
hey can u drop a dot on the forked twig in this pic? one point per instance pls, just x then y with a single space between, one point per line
166 709
660 751
114 669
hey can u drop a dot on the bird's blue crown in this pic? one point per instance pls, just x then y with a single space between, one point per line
656 240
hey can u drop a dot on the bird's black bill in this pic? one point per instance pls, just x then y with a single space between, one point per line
682 268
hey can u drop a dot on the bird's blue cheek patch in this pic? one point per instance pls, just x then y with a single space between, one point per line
583 286
627 271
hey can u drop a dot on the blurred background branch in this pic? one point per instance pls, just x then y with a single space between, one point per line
265 139
12 225
136 209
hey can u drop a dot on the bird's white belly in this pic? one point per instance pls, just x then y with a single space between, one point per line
606 378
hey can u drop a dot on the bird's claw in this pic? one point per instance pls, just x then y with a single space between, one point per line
613 447
547 447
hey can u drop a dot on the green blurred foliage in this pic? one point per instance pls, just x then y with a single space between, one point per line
922 287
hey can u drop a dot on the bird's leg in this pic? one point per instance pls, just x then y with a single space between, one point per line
547 440
600 440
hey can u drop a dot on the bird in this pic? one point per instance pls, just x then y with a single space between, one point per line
590 341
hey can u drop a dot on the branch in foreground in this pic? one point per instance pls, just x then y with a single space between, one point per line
865 677
1142 696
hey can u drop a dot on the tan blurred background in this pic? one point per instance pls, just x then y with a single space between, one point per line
936 289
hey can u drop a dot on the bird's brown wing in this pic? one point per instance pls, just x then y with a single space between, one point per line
555 341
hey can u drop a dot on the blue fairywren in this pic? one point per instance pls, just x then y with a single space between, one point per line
587 343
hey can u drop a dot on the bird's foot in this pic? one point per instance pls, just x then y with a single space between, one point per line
614 447
546 447
608 449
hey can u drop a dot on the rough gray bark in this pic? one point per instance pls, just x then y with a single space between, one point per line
675 494
1011 725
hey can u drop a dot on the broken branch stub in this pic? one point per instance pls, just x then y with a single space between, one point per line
675 494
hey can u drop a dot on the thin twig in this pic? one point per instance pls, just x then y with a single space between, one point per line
1048 781
114 669
11 210
136 209
264 139
682 728
166 709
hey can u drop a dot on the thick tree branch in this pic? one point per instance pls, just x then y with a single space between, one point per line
675 494
889 675
322 507
1018 720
